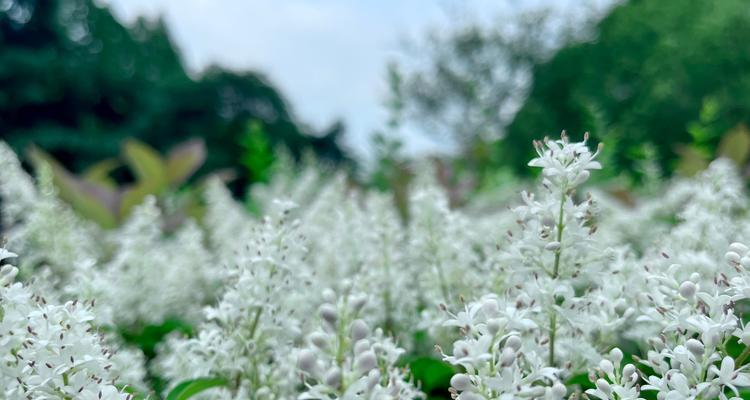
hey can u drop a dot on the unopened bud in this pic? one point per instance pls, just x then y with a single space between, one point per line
732 257
607 366
507 357
688 289
695 347
329 314
329 295
616 356
358 302
366 361
559 390
306 361
552 246
514 342
333 377
603 385
319 339
361 346
360 330
628 372
738 248
461 382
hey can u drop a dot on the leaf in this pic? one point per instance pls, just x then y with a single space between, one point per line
147 165
188 389
90 200
184 160
432 374
691 161
735 144
100 173
132 196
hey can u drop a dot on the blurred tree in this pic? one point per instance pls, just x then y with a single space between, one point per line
665 74
664 78
76 82
463 86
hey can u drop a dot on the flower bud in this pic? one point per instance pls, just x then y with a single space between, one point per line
732 257
738 248
7 274
329 314
628 372
306 361
695 347
603 385
359 330
559 390
687 289
552 246
514 342
607 366
319 339
494 325
358 302
461 382
489 307
366 361
329 296
616 356
695 277
507 357
333 377
745 262
373 378
361 346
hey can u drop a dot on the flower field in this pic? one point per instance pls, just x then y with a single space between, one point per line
563 290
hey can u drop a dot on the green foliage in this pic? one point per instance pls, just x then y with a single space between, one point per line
667 73
76 82
432 375
257 156
188 389
96 196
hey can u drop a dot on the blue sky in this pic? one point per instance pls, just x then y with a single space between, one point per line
328 57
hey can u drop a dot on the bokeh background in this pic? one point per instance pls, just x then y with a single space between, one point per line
373 86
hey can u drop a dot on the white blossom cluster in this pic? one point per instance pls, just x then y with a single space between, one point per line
345 359
50 351
319 292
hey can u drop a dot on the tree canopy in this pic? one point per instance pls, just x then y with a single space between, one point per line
76 82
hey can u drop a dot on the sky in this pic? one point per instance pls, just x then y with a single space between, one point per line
328 57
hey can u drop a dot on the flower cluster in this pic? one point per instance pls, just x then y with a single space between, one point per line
345 359
644 293
50 351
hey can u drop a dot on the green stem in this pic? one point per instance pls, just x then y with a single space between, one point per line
555 275
741 359
256 319
552 332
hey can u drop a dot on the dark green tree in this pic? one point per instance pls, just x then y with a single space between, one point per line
645 80
76 82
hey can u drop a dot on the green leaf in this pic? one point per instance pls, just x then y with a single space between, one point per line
88 199
184 160
735 144
133 196
432 374
100 173
147 165
188 389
